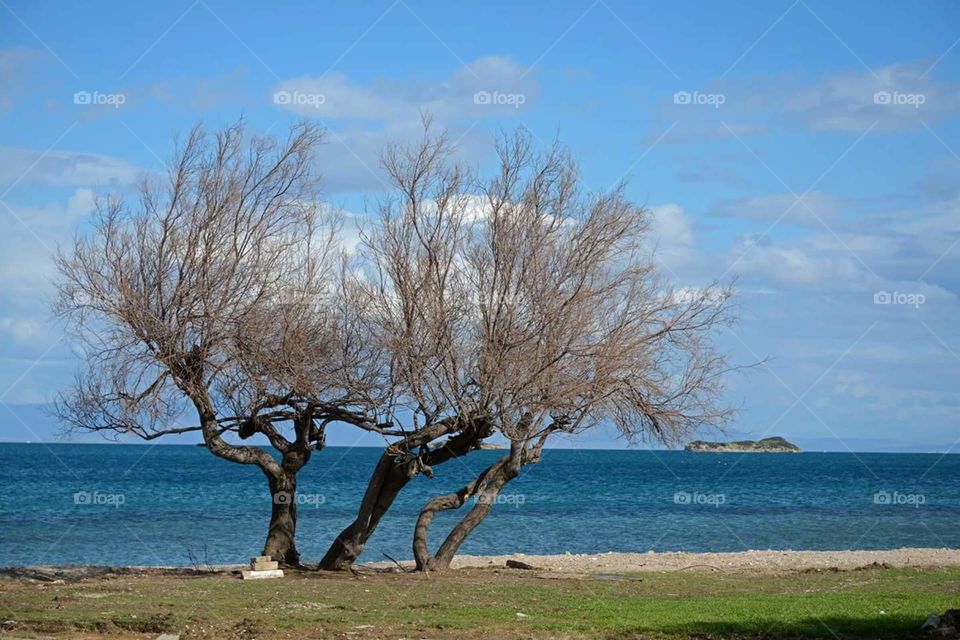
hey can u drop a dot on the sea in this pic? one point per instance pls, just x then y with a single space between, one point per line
116 504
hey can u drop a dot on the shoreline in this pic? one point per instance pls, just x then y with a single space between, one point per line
745 562
759 562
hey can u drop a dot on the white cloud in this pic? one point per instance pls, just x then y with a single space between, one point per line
22 329
372 112
896 97
30 236
898 402
63 168
936 218
796 266
350 159
868 245
892 98
784 207
27 271
334 96
476 207
691 294
510 87
671 227
838 262
672 236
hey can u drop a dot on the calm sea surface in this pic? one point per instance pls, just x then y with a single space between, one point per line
135 504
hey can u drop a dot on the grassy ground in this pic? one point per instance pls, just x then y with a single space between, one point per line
484 603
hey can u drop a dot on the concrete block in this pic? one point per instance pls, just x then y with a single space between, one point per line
261 575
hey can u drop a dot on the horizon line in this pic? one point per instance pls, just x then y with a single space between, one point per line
358 446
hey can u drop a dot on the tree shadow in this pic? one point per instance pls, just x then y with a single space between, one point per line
828 628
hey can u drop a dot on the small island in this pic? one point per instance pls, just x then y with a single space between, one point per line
484 446
767 445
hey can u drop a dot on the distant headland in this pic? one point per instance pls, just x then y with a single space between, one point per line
767 445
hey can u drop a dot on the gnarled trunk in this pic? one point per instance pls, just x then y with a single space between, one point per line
390 476
421 545
281 476
281 537
486 487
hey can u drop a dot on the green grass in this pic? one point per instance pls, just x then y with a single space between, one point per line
874 603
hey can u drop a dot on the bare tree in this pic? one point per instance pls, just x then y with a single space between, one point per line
407 262
219 293
536 309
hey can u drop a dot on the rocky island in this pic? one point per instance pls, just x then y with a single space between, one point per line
767 445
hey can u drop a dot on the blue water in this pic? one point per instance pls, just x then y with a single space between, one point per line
179 504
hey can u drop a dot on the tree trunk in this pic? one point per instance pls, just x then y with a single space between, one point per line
421 545
486 487
281 477
281 537
281 542
390 476
486 498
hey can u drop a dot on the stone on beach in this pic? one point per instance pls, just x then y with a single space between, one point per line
261 568
261 575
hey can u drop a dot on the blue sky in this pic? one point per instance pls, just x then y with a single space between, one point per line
809 149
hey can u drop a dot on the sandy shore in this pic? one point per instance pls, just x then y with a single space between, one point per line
737 562
742 562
